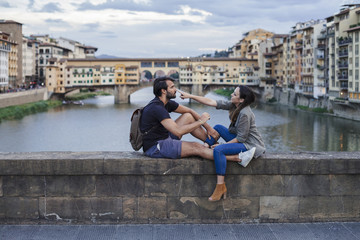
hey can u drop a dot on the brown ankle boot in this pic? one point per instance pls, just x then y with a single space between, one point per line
219 191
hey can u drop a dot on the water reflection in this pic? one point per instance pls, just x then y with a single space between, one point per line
99 125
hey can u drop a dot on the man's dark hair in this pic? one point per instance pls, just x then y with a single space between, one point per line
159 84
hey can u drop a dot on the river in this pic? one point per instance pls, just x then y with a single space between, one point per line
100 125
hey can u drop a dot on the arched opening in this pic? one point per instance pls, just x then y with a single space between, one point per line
146 76
174 74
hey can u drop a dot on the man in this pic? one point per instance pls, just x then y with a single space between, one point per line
162 134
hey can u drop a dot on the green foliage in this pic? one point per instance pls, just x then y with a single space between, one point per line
225 92
85 95
20 111
316 110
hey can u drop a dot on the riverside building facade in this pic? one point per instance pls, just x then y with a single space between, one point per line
69 73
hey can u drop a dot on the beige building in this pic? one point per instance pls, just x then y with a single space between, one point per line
347 31
248 47
15 31
270 64
29 61
345 81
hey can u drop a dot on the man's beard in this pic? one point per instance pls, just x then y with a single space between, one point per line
170 96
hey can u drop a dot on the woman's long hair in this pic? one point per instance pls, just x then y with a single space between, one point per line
249 97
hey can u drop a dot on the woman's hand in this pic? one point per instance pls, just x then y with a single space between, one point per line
184 95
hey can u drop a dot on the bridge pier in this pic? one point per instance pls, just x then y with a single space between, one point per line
197 89
122 94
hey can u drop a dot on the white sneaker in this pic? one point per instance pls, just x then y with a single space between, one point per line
246 157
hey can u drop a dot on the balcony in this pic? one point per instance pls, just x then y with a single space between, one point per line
321 77
344 85
343 65
321 36
320 67
321 46
320 56
344 42
343 77
343 53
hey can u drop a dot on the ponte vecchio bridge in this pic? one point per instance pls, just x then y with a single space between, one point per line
122 77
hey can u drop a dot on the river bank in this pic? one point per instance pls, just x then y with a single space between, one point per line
20 111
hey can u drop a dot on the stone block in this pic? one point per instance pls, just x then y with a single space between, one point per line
347 185
19 208
130 209
307 185
178 185
113 165
51 163
255 185
200 209
23 186
333 207
278 208
152 208
72 186
81 209
120 185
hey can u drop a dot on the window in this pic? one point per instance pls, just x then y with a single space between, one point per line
159 64
146 64
173 64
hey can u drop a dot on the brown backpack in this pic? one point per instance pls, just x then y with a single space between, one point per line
136 136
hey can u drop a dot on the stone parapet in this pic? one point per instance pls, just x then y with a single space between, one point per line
127 187
19 98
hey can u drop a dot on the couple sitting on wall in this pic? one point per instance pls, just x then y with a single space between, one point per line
163 135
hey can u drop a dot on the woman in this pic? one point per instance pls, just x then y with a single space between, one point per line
242 136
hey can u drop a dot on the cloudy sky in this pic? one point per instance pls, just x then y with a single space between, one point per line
161 28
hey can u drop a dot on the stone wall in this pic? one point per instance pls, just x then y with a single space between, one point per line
126 187
18 98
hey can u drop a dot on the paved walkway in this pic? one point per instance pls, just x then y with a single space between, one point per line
288 231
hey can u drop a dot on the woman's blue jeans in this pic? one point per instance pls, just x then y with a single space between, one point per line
224 149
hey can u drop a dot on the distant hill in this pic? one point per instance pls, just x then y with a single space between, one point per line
106 56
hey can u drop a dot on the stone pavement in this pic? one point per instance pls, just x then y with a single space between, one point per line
276 231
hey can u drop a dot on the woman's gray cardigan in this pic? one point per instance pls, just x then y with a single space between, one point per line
245 128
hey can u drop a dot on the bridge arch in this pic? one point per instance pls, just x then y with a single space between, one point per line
174 74
146 76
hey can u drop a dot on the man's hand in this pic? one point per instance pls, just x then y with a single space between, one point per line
213 133
204 117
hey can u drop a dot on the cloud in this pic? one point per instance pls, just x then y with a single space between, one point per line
58 21
4 4
149 28
51 8
31 4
